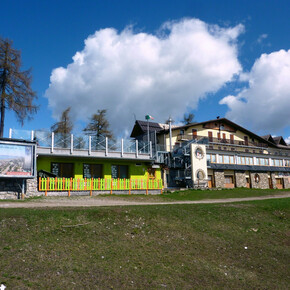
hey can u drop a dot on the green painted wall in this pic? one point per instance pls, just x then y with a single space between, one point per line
135 171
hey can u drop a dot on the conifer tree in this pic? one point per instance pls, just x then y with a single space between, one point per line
15 85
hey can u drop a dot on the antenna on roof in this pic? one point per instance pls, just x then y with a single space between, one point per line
218 117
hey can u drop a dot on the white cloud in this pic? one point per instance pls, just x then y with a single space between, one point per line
142 73
287 140
262 37
265 104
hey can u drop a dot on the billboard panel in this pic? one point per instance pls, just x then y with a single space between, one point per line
17 159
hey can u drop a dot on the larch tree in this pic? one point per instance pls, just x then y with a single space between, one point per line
99 128
15 85
63 128
99 125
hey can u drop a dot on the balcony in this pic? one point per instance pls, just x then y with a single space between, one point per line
222 141
80 145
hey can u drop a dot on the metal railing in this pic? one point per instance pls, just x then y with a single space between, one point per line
187 137
98 184
82 142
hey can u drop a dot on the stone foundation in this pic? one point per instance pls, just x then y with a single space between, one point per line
273 180
286 182
240 179
10 188
263 182
219 178
32 188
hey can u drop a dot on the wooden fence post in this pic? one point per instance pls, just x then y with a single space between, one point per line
70 187
47 186
111 185
39 184
91 191
129 186
147 186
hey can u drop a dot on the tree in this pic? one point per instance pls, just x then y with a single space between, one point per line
15 85
99 125
98 128
63 128
188 118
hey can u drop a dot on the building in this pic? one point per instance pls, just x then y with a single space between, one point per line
218 153
81 158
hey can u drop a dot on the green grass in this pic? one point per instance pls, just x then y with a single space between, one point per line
192 194
173 246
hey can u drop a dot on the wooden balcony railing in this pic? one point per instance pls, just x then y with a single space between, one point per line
185 137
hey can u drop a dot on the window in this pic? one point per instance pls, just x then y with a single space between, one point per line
213 158
120 171
287 163
232 159
241 160
62 169
278 162
261 161
194 133
151 173
226 159
92 170
229 179
208 158
181 132
249 160
210 136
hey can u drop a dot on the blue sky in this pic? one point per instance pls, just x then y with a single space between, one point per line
50 33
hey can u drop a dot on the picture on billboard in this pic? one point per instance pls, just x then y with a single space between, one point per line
16 160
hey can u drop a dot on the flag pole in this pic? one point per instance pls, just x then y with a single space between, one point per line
148 136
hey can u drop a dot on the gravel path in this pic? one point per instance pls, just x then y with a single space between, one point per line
94 202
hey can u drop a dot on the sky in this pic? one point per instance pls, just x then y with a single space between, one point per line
163 58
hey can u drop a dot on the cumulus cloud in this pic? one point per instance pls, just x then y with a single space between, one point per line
287 140
159 74
265 104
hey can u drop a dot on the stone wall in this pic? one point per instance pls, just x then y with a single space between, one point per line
10 188
273 180
263 180
219 178
32 188
240 179
287 182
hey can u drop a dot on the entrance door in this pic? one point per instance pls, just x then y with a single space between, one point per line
279 183
270 183
229 181
248 185
210 136
210 183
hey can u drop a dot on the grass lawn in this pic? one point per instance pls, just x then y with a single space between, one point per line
239 245
194 194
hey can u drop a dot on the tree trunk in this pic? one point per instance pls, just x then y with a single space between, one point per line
2 108
2 111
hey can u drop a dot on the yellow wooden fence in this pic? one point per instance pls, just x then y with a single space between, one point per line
98 184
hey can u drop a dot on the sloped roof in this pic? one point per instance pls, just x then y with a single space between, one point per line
279 140
140 127
269 138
